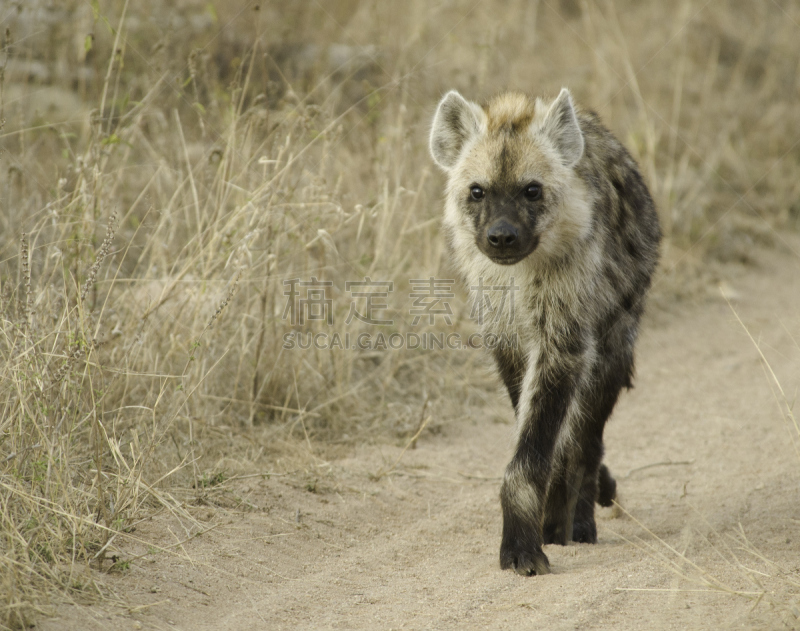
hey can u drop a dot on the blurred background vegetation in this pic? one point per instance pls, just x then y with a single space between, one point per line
166 165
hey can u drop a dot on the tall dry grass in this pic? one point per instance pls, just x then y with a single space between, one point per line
167 166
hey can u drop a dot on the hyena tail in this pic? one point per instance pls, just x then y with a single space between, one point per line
606 487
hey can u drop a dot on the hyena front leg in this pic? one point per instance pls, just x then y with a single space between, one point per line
511 366
548 388
562 500
598 485
584 529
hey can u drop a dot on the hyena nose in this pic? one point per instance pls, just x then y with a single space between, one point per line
502 234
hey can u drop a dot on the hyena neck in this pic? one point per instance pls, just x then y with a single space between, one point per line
544 289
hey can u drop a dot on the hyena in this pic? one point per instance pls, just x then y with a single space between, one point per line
542 197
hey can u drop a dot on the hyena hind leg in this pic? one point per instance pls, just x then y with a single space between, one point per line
606 487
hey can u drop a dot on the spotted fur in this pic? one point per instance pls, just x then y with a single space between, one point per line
542 196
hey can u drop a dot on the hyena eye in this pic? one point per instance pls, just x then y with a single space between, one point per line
533 192
476 192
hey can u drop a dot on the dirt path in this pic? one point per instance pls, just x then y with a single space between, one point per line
699 448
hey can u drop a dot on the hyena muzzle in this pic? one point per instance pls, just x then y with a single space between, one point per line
540 196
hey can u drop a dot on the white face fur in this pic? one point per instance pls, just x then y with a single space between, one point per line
494 157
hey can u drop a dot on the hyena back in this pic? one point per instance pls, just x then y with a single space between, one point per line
542 197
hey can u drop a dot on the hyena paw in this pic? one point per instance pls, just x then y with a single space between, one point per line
523 561
606 487
584 531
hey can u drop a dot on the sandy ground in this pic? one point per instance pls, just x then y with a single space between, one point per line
704 461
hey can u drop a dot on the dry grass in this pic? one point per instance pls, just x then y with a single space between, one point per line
167 168
754 576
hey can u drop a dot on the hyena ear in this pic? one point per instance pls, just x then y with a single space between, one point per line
561 126
456 121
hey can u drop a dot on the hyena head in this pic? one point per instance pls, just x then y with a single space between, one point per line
512 188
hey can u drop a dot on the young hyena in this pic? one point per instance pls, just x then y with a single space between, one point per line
542 197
